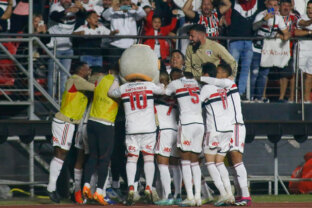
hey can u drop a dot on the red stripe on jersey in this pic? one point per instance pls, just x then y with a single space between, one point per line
214 95
234 85
266 26
137 92
186 89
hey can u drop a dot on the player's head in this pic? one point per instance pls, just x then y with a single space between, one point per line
309 9
197 34
164 77
188 75
176 73
92 18
209 70
156 22
82 69
177 59
224 70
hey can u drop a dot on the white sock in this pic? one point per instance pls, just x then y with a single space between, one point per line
238 191
93 181
187 178
177 179
135 186
225 177
77 177
56 165
165 179
242 178
131 170
196 178
215 175
106 185
116 184
149 170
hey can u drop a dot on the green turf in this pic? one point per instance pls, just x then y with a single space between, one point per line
282 198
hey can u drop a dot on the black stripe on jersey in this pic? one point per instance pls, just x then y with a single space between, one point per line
215 123
234 108
134 99
186 94
160 102
211 101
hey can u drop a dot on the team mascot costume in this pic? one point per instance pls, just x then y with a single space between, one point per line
139 62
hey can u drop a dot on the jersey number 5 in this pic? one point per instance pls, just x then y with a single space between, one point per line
137 103
192 92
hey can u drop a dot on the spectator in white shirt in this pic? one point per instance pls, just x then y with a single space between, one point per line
123 17
90 49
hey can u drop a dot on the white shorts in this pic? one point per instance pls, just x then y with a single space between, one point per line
217 142
81 139
305 62
190 137
167 143
62 133
238 138
140 142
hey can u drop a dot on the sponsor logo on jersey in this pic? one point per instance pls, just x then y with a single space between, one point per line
209 52
167 149
131 148
187 143
215 144
149 147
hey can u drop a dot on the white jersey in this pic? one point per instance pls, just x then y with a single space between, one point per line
216 103
235 105
92 6
99 30
187 94
305 45
166 113
138 103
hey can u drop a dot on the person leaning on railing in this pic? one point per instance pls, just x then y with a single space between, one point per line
305 55
202 50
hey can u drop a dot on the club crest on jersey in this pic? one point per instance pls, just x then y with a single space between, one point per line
209 52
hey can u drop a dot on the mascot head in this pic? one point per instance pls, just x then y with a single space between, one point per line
139 62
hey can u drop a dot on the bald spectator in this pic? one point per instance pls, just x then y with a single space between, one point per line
202 50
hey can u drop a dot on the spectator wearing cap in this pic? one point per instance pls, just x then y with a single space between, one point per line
123 17
266 24
202 50
242 16
63 17
305 55
209 16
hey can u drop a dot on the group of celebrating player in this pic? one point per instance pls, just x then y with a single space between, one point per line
186 135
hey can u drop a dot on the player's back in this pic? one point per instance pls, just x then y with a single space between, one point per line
216 102
166 113
187 94
138 103
235 104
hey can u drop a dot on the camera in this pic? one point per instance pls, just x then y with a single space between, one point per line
271 10
125 7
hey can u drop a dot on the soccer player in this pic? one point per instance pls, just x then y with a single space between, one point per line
218 134
166 147
238 139
190 135
73 106
138 101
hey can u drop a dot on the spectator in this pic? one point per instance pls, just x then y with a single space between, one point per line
19 18
5 14
160 46
90 5
209 16
300 6
305 55
242 16
202 50
63 16
90 50
177 60
123 18
267 23
106 5
287 73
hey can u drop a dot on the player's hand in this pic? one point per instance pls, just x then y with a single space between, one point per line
231 78
134 6
175 12
42 29
78 4
114 32
268 16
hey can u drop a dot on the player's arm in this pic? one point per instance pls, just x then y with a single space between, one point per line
84 85
204 93
304 23
188 9
170 89
158 89
224 83
114 90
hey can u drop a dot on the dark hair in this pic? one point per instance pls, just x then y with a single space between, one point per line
157 16
309 2
226 67
175 70
164 73
188 75
198 28
178 51
209 68
89 13
77 66
285 1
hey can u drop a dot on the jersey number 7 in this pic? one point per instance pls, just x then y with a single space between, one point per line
137 103
192 92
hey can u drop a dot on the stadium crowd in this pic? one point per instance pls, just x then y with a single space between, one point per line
201 73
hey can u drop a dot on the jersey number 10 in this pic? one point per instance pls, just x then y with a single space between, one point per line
137 103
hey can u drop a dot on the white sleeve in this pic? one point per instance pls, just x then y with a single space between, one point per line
259 17
107 15
204 93
158 89
114 90
170 89
140 14
56 8
79 29
281 23
104 30
224 83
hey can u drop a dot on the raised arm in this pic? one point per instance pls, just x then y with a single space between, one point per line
225 6
224 83
188 9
